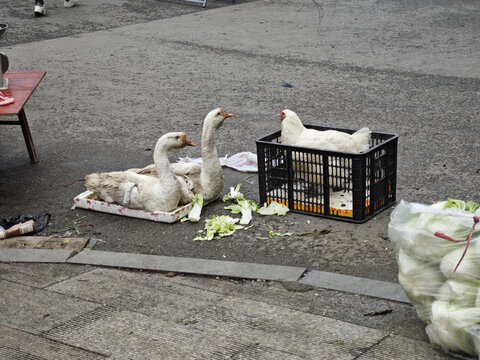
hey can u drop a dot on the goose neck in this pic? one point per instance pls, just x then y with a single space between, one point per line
160 159
209 151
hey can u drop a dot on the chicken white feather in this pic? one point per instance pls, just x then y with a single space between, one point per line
294 133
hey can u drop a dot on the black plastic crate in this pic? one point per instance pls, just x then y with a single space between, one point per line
332 184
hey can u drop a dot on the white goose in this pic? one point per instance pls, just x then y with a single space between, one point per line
137 191
206 179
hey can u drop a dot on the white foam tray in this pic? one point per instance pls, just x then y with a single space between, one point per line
82 201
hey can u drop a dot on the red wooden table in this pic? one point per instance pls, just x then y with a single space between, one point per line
21 85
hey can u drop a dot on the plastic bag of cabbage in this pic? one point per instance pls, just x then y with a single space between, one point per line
444 290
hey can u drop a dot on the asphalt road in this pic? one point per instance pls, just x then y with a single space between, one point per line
120 74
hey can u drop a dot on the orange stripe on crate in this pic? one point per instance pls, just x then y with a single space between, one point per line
333 211
315 208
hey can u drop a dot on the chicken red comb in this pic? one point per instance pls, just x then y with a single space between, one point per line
284 108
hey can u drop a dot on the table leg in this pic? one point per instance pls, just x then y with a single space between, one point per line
27 136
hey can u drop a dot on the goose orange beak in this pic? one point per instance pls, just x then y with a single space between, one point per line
225 115
186 141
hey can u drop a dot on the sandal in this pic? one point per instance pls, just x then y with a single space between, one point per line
5 100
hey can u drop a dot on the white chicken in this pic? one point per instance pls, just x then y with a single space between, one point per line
295 134
308 166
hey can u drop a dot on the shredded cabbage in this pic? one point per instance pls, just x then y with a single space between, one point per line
218 227
245 207
234 194
274 208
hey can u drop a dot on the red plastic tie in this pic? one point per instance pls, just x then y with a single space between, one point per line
476 220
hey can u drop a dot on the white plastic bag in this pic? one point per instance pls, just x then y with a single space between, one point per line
440 278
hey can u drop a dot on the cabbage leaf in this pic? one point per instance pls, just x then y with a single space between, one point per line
234 194
196 210
218 227
470 206
274 208
245 207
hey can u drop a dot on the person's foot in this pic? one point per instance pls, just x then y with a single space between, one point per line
70 3
39 9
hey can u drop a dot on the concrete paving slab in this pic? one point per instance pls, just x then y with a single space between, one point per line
35 255
36 310
17 344
399 347
349 307
188 265
151 294
265 353
131 335
170 298
271 321
357 285
231 328
39 275
306 335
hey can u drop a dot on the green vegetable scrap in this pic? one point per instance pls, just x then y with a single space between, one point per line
196 211
221 226
273 233
274 208
470 206
218 227
245 207
234 194
190 322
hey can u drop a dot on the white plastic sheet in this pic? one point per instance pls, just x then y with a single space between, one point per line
243 161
